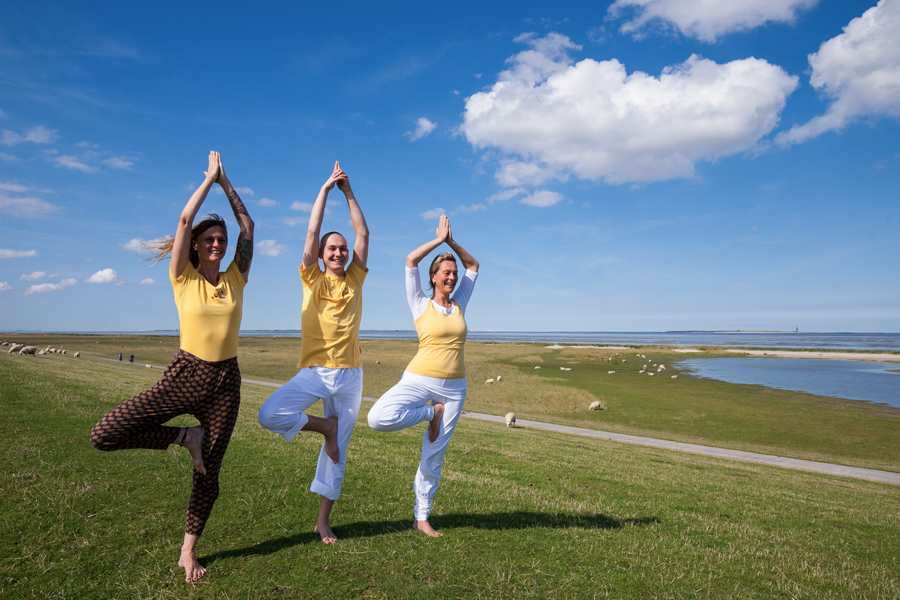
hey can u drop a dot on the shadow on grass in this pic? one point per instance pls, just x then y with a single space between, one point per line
496 521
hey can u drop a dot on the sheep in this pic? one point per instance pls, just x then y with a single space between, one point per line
562 368
76 355
499 377
595 405
674 376
15 348
510 419
537 367
64 351
611 372
28 350
377 362
650 374
42 352
489 382
642 371
661 368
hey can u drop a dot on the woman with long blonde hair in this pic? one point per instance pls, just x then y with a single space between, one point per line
203 379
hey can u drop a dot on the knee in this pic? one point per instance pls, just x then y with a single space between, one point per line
374 420
99 440
266 416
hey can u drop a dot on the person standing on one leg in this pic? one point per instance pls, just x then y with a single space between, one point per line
438 371
203 379
330 362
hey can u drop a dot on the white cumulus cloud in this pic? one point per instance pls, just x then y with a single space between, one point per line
9 253
551 117
304 206
270 248
105 276
32 276
705 19
858 70
423 128
42 288
147 281
267 202
119 163
5 287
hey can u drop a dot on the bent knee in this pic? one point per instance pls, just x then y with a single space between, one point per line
100 441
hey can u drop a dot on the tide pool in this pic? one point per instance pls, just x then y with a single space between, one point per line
853 380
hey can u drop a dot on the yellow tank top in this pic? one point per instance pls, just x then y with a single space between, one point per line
209 315
442 340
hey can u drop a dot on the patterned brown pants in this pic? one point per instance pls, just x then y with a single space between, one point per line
210 391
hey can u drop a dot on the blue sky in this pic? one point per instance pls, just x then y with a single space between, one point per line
638 165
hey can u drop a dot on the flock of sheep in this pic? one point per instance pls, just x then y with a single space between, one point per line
596 404
23 350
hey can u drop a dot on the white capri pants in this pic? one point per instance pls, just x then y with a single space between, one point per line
403 406
341 394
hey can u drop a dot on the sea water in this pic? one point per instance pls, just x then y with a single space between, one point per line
850 379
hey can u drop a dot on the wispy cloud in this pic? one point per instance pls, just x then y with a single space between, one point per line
117 162
504 195
267 202
542 198
25 206
105 276
304 206
5 287
37 275
43 288
147 281
72 162
270 248
470 208
433 213
7 253
35 135
423 128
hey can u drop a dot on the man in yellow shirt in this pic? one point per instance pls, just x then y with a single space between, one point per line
330 363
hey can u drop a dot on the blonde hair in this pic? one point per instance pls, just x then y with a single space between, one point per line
436 264
163 246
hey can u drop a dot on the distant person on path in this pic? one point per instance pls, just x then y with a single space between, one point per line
131 358
330 362
203 379
438 371
120 357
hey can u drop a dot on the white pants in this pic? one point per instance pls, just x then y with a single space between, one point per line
403 406
341 394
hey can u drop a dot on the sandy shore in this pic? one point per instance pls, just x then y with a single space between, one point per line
891 358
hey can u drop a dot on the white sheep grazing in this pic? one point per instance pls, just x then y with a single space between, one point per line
611 372
64 351
77 354
28 350
562 368
15 348
489 382
642 371
662 368
650 374
510 419
537 367
499 377
595 405
42 352
674 376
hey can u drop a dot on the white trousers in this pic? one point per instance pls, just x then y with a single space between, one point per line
403 406
341 394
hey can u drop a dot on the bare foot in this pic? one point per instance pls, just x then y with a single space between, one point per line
426 528
193 441
324 531
434 427
192 569
331 445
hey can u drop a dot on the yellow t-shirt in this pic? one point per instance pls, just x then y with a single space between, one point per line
442 342
210 315
332 312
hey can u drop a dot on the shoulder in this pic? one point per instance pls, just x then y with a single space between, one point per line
356 273
234 276
188 274
310 273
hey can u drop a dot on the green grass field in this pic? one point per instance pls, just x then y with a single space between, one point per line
525 513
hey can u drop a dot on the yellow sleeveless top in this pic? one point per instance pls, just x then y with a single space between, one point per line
209 315
442 340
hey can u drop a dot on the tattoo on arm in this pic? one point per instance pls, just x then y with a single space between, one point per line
244 253
236 205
